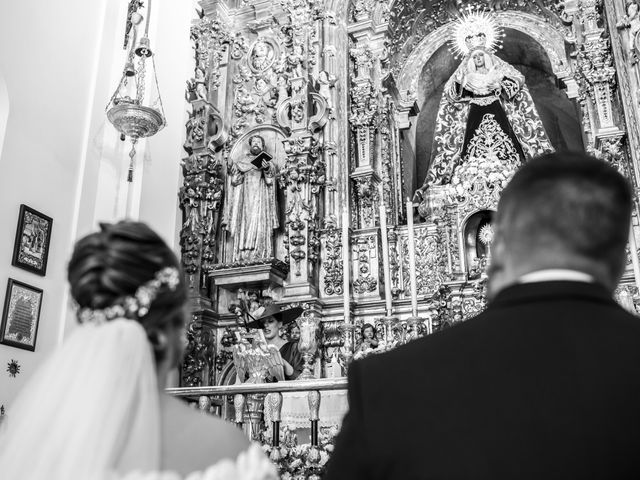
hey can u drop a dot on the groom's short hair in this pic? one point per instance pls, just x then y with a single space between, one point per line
569 204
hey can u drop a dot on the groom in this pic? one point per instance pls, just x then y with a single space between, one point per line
545 383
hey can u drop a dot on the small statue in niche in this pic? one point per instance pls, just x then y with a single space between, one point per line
326 81
296 60
210 207
200 84
283 90
631 21
197 87
190 198
250 213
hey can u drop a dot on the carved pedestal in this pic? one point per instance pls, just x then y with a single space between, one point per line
257 275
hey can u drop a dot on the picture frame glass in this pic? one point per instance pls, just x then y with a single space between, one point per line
22 311
33 235
35 231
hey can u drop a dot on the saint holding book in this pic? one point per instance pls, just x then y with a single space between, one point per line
250 210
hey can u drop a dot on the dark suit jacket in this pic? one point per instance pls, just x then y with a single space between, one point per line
544 384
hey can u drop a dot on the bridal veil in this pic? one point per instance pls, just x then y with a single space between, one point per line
90 409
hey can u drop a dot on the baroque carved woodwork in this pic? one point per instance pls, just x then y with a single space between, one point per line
334 90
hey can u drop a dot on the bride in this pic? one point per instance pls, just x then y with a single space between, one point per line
95 408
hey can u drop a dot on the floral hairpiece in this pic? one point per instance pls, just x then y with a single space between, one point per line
136 305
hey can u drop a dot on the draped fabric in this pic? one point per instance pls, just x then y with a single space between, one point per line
91 408
478 121
289 352
250 212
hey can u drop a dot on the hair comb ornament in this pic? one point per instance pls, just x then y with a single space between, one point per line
476 29
136 305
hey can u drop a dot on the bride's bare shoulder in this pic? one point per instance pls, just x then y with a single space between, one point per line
193 440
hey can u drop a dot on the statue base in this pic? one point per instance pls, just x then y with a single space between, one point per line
260 274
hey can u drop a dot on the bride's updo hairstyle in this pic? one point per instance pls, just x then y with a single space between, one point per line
108 267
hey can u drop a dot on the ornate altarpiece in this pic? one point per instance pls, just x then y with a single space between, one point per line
333 89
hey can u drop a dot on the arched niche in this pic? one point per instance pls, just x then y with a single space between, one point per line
546 74
550 39
474 247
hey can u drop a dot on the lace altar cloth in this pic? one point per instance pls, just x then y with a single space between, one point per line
295 409
252 464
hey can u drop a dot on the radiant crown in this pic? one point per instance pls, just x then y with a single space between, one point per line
476 29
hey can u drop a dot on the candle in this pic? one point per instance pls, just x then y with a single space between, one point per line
346 266
385 257
411 243
449 260
634 256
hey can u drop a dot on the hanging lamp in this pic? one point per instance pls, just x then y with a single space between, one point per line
135 109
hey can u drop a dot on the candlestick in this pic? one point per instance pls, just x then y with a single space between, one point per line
346 267
634 256
385 259
411 243
463 261
449 259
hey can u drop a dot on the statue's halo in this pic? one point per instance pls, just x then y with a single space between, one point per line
467 28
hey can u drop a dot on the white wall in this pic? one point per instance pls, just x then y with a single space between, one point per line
61 61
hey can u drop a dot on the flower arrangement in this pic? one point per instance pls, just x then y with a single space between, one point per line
304 461
490 170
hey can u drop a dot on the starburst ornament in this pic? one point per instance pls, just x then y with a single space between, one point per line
13 367
486 234
476 30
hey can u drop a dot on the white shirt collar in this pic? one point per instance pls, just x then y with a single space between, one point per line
556 274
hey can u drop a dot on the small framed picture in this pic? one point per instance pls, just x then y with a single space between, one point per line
21 315
31 248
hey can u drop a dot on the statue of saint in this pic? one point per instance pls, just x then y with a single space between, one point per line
250 212
486 114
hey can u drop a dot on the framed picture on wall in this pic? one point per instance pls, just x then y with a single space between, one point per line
31 248
21 315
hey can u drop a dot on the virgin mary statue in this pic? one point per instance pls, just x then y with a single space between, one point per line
487 122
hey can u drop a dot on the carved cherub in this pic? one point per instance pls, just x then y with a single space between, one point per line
245 103
297 111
